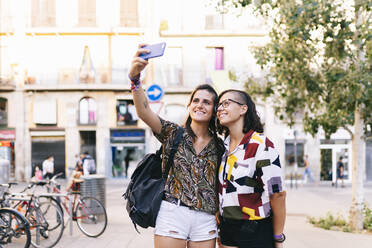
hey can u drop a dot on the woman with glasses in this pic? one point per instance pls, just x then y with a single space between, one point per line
187 212
252 200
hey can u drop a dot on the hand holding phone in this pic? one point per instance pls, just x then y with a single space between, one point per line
156 50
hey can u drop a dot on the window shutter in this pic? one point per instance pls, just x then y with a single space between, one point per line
35 13
43 13
129 13
51 13
87 13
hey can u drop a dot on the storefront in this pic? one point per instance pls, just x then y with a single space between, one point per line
369 159
7 138
332 152
48 143
127 148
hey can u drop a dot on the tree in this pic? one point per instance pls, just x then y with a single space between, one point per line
319 64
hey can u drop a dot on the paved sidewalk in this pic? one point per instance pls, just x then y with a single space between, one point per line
301 202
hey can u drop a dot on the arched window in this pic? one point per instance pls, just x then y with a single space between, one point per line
87 111
3 112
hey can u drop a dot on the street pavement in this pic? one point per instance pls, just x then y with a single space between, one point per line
307 200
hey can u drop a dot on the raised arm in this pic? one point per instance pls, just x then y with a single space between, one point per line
141 103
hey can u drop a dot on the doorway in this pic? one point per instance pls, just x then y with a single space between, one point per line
125 158
88 143
43 147
326 164
330 154
369 159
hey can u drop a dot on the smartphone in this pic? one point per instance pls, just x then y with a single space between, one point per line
156 50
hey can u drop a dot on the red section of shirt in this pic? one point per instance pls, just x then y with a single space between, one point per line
252 201
250 150
268 143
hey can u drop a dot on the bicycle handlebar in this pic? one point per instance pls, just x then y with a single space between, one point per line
56 176
8 184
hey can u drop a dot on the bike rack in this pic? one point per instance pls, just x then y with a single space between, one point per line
69 205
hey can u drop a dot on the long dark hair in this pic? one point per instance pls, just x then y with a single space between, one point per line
251 119
212 123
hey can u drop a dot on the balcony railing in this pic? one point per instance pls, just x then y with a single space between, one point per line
72 76
6 83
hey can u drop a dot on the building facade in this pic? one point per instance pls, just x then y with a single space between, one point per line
64 87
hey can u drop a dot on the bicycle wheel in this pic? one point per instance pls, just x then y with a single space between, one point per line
90 216
46 224
50 200
14 229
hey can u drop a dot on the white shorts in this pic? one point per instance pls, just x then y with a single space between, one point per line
184 223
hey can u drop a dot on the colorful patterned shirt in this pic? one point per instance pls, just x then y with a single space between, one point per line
248 176
192 177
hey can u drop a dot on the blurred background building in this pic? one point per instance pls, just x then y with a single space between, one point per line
64 88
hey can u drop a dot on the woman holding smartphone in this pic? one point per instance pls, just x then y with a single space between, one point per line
252 200
187 212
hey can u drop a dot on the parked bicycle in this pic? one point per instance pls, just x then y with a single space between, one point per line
88 212
14 227
45 218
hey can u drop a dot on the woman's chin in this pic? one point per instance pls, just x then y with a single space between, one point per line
224 123
201 120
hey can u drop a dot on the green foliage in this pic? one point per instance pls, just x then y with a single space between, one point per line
329 221
319 61
367 223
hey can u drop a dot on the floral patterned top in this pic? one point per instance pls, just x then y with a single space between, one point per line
192 177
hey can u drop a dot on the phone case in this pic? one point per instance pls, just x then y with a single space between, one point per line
156 50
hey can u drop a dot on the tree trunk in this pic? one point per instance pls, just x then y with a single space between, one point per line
356 209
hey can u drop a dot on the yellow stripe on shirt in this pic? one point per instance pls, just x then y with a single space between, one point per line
231 160
251 214
255 137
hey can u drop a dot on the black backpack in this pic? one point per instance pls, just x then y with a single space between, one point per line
146 188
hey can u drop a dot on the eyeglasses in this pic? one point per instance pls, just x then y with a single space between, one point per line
226 103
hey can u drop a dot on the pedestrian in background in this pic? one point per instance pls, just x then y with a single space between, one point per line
38 173
48 167
187 213
89 165
252 200
127 159
307 171
340 172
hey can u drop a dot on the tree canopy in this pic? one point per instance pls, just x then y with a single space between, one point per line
318 59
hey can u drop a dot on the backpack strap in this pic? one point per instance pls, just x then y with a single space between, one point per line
176 142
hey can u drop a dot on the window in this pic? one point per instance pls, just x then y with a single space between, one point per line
214 61
3 112
129 13
172 20
169 67
6 18
290 154
87 111
45 111
43 13
214 21
126 113
87 13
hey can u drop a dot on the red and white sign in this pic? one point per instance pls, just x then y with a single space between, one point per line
7 135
